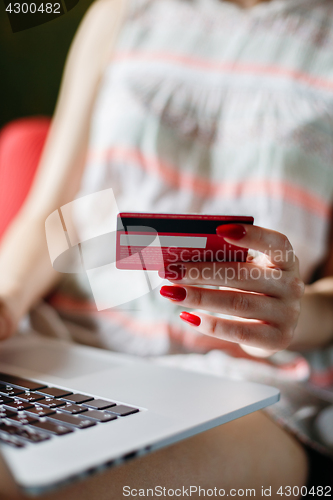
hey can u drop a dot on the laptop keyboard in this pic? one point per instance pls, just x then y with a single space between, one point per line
31 412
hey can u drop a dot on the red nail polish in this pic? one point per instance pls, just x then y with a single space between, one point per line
177 293
232 231
190 318
172 272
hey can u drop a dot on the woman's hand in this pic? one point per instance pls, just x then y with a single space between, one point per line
264 293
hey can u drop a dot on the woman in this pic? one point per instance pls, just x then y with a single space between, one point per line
197 106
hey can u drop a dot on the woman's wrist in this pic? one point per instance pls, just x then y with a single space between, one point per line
8 318
315 325
11 294
13 303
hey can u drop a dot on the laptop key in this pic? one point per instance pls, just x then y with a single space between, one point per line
8 439
52 427
23 432
4 399
22 418
51 403
55 393
100 416
7 390
78 398
99 404
30 397
4 413
40 411
73 409
122 410
22 383
18 405
76 421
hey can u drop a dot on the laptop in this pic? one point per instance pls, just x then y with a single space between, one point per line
68 410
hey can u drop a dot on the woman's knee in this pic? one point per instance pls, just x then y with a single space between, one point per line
248 453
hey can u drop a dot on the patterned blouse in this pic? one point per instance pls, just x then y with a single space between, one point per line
209 108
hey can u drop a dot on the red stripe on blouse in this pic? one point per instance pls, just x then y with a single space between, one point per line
289 192
227 67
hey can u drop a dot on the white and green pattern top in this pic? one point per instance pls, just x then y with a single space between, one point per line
210 108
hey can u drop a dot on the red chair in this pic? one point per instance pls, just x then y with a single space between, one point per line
21 145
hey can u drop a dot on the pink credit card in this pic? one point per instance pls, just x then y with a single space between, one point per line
147 241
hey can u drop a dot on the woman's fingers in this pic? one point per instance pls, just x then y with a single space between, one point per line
244 305
251 333
241 275
275 245
268 295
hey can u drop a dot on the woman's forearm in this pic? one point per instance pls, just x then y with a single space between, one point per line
315 325
25 268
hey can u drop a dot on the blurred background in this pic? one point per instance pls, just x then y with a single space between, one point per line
31 63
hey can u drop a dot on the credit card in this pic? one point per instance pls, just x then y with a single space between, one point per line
151 242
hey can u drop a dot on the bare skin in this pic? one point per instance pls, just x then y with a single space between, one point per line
248 453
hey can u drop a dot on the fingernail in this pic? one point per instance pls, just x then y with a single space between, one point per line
232 231
172 272
177 293
190 318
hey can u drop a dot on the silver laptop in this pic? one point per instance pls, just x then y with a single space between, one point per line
68 409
